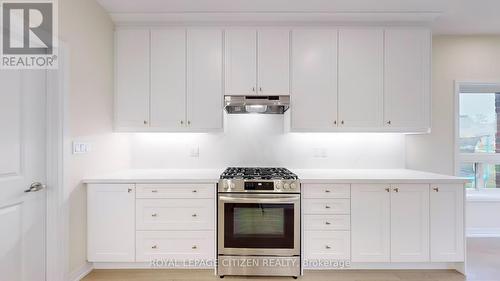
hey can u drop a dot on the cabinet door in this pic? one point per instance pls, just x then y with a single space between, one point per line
168 78
407 78
410 223
204 80
273 61
370 222
241 61
132 78
314 79
361 65
447 223
111 223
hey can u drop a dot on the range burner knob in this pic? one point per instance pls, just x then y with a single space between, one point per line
286 186
231 185
279 185
225 185
293 185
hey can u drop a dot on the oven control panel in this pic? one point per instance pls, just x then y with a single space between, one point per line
238 185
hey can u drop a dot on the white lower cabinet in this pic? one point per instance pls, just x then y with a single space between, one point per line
110 223
447 223
327 245
171 222
174 245
370 222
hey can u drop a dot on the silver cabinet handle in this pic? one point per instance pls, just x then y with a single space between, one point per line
36 186
154 215
327 191
194 190
335 122
189 122
194 215
327 223
129 190
388 190
328 247
435 189
327 207
182 122
342 122
253 89
194 247
154 247
154 191
396 189
260 89
145 122
389 122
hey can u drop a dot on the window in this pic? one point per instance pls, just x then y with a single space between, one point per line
478 135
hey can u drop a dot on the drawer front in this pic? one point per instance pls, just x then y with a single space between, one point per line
167 191
327 206
327 245
177 245
326 191
175 214
327 222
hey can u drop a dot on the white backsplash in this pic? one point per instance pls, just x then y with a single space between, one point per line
262 140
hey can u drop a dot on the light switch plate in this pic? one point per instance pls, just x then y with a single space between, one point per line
81 147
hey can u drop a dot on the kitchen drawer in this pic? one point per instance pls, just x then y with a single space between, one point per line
175 214
326 190
327 245
327 222
166 191
176 245
327 206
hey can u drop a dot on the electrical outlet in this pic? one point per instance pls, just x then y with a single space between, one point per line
194 151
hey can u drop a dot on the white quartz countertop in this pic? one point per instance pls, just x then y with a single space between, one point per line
305 176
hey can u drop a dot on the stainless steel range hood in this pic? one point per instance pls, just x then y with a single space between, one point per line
256 104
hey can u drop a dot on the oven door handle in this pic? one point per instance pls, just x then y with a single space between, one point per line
257 200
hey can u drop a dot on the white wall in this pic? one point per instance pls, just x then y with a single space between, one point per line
88 33
262 140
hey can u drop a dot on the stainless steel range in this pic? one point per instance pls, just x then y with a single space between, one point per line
259 222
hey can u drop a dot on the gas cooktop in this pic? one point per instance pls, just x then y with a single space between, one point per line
255 173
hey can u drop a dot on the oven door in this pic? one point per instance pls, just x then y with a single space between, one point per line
259 224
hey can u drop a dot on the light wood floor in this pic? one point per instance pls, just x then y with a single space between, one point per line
483 265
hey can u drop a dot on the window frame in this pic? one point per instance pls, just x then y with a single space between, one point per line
486 87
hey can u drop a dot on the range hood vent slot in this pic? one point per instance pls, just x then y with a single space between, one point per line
234 104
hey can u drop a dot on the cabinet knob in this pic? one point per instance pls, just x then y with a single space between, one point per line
189 122
194 190
396 189
342 122
253 89
194 215
388 190
327 207
154 215
154 191
182 122
145 122
335 122
327 223
389 122
435 189
154 247
327 191
260 89
194 247
328 247
129 190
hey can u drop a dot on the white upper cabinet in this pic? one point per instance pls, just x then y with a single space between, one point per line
241 61
447 223
273 54
204 80
257 61
407 78
410 223
361 67
132 78
370 222
314 80
168 78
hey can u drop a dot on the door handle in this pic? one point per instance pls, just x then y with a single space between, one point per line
36 186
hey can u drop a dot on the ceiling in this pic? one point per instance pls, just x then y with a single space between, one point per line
457 16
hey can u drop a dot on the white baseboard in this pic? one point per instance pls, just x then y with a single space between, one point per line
483 232
83 271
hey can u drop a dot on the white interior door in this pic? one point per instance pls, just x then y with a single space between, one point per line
22 162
